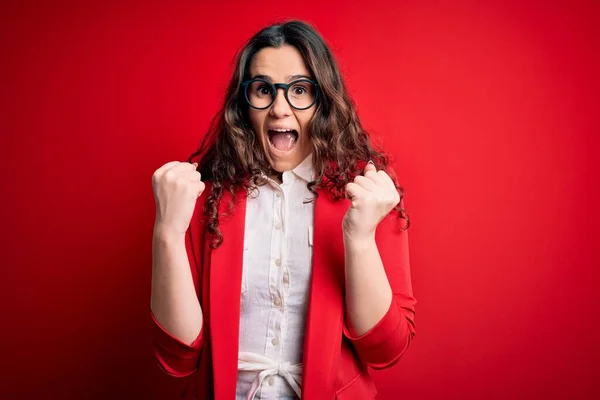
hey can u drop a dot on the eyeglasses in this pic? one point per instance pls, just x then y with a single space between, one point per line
300 94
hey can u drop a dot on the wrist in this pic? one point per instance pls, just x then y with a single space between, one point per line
167 234
360 242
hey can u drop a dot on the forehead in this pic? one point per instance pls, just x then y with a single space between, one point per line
278 63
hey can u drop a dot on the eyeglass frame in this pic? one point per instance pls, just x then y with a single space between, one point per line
276 87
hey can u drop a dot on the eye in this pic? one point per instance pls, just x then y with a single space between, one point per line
298 90
263 90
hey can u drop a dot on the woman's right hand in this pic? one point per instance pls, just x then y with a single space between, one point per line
176 187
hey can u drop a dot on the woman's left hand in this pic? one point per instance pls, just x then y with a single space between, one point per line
373 196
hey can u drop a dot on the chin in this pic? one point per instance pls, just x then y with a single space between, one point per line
283 166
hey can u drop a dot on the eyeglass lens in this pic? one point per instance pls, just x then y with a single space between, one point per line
300 94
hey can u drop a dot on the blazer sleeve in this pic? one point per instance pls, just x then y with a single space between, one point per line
177 361
384 344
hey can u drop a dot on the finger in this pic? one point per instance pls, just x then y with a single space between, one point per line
354 191
191 175
184 166
370 171
385 178
366 183
200 186
370 167
165 167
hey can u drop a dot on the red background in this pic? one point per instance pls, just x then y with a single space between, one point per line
490 109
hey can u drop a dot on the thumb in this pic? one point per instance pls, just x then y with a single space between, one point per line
370 167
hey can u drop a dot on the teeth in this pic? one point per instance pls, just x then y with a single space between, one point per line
282 130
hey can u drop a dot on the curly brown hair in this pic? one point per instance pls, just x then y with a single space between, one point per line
230 154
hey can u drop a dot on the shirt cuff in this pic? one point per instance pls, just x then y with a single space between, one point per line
383 345
175 357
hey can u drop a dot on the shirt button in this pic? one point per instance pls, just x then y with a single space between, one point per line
278 262
278 194
275 342
286 278
278 226
277 302
271 381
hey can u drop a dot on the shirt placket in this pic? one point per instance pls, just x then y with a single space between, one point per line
278 258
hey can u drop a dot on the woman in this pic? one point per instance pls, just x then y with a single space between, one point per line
280 255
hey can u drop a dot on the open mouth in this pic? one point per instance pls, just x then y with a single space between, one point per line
282 140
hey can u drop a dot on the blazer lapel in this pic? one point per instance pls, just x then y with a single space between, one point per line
325 313
225 285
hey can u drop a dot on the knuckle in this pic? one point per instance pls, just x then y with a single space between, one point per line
170 176
157 174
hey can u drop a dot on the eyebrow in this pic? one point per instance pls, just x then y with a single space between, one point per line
289 78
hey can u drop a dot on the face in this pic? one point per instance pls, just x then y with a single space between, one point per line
282 130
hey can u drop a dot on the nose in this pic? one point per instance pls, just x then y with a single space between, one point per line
280 107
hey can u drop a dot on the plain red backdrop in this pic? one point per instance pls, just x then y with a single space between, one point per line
489 108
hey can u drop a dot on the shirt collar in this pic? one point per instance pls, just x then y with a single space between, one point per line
305 169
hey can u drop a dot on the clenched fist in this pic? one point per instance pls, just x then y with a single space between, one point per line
373 196
176 186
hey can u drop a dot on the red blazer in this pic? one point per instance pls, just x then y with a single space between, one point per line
334 362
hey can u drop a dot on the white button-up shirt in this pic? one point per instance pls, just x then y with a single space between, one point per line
275 286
